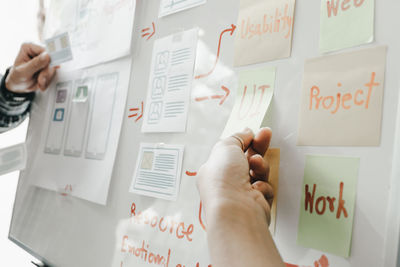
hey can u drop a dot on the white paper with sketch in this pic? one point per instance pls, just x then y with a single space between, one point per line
158 171
170 83
80 131
168 7
100 30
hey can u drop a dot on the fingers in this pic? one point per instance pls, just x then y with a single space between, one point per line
265 189
45 77
38 63
259 168
32 50
242 139
260 143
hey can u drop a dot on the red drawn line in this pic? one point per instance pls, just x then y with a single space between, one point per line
154 30
141 115
145 30
133 115
134 109
143 35
201 98
217 96
200 219
232 30
188 173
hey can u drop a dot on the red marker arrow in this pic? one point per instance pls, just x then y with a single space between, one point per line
222 97
136 114
231 30
188 173
147 32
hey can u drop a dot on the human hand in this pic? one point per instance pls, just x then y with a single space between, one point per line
31 70
236 175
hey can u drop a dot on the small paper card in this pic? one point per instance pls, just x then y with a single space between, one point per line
342 99
59 49
346 24
254 94
264 31
158 171
328 203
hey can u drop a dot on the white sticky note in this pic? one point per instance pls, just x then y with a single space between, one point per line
170 83
158 171
168 7
12 158
101 115
59 49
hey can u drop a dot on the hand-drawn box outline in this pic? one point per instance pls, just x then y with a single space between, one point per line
161 66
178 156
100 156
63 86
150 120
78 152
163 82
59 111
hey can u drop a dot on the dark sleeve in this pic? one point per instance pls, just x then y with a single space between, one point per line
14 108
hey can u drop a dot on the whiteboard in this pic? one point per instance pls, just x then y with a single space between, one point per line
65 231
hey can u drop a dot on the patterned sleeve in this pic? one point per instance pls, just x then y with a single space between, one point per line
14 108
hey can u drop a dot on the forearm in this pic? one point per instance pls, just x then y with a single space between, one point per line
14 108
238 236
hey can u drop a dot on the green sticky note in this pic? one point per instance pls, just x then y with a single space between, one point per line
254 95
346 23
327 204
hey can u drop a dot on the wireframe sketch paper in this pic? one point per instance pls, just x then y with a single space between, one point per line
80 131
158 171
273 158
254 95
342 99
12 158
59 49
264 32
328 203
170 83
168 7
99 30
346 24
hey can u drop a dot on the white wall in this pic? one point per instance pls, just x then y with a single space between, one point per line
17 25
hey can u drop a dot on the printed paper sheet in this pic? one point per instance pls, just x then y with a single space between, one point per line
168 7
158 171
170 83
100 30
81 130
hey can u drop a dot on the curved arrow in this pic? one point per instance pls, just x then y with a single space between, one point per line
231 30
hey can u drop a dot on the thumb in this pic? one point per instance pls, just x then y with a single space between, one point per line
36 64
242 139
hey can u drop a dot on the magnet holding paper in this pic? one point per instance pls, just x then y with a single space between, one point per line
81 94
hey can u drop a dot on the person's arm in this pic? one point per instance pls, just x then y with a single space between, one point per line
30 72
236 197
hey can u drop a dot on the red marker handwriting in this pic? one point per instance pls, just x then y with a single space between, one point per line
188 173
136 113
67 189
231 30
149 32
322 262
222 97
